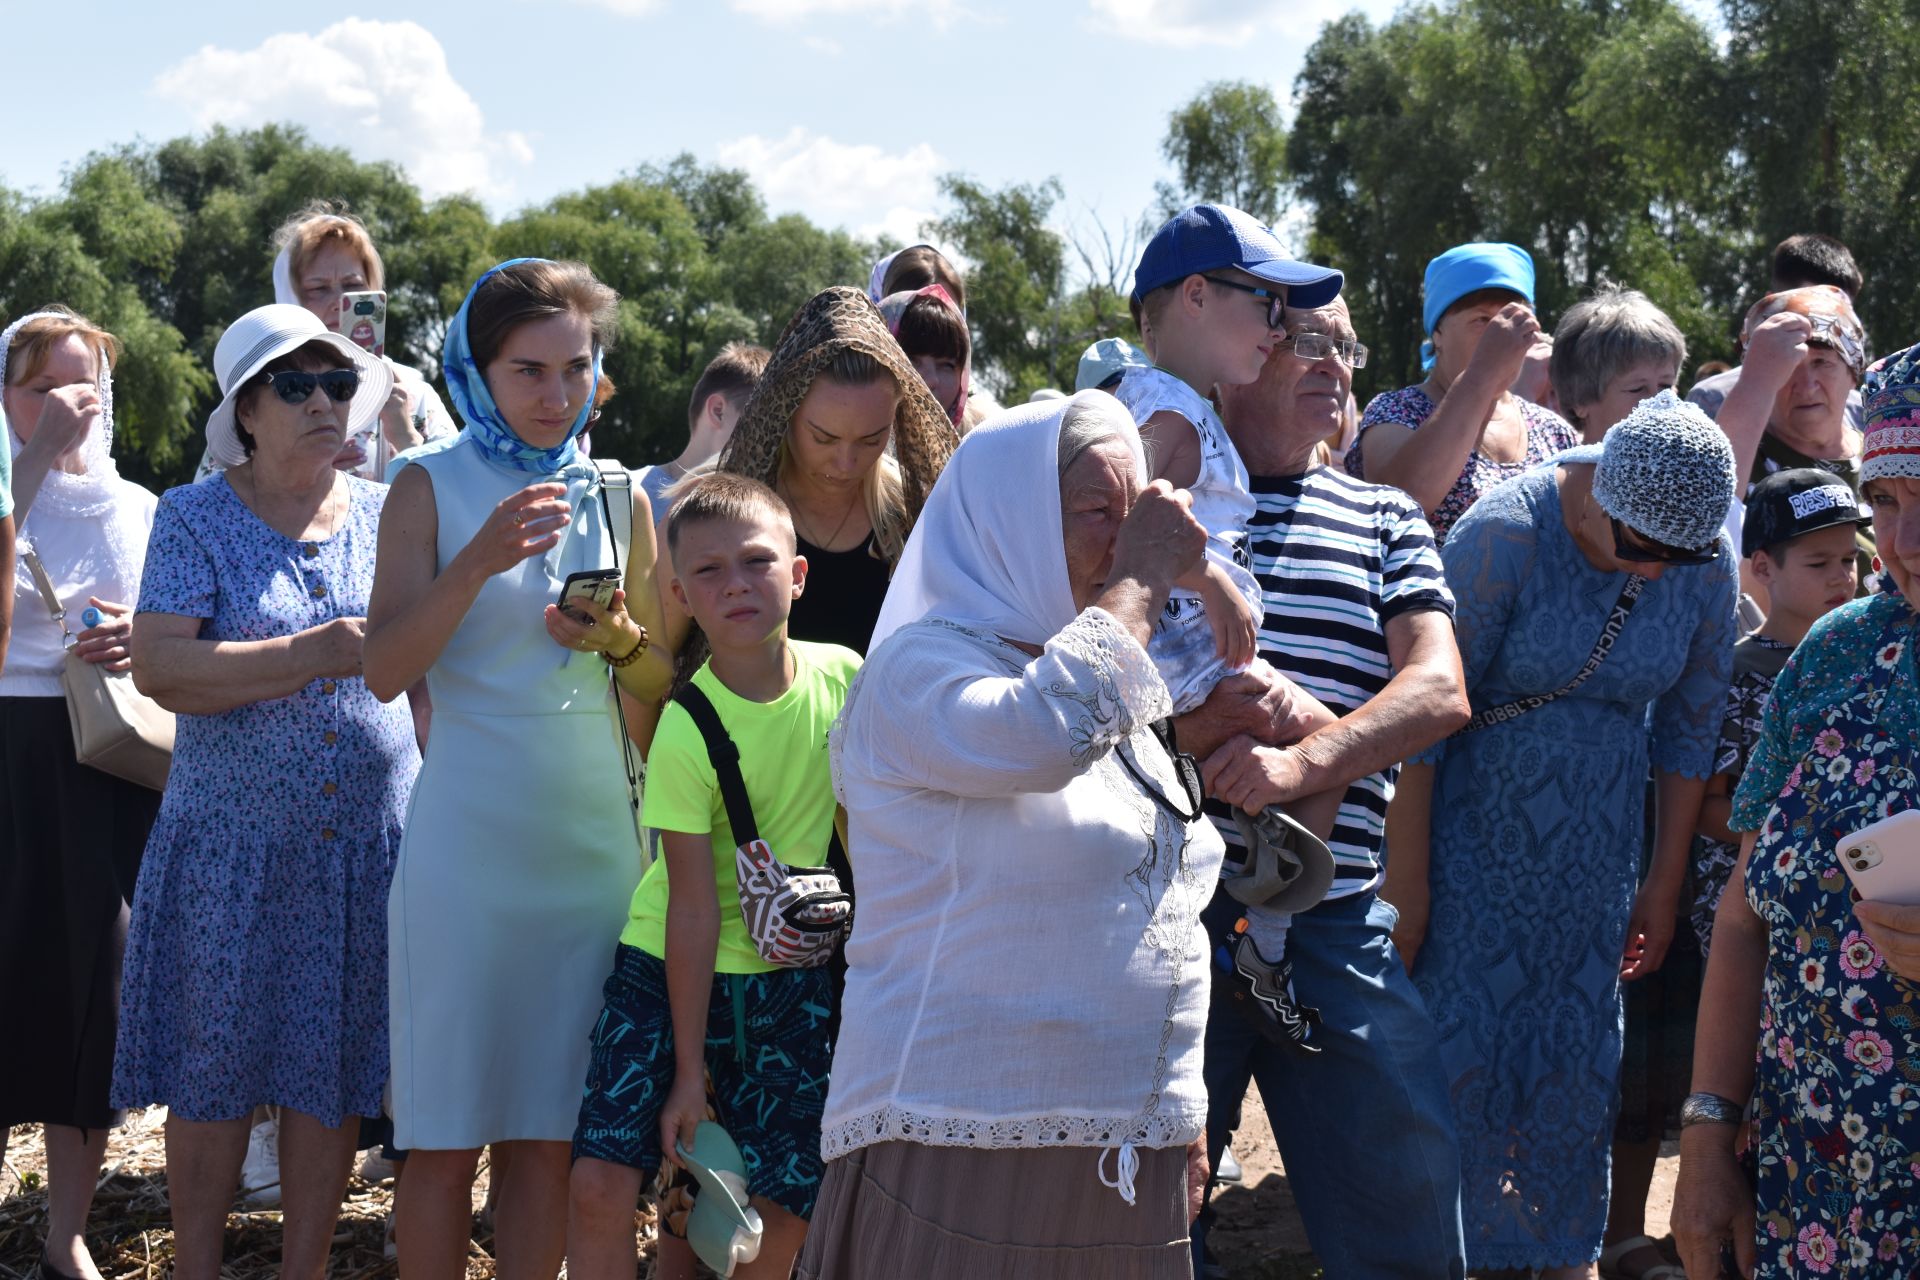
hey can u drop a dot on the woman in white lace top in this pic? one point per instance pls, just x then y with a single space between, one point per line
1016 1086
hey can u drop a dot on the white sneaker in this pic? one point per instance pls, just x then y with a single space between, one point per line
260 1171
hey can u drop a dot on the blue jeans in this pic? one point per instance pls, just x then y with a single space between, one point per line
1364 1126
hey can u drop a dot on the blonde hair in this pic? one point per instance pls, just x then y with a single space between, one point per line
323 221
883 489
33 344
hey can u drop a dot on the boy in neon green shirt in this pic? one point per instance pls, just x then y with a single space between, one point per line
688 990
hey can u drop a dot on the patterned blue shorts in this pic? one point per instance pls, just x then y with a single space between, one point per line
767 1056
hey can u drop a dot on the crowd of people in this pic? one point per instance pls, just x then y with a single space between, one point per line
894 834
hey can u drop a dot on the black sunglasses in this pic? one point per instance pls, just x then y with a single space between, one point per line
1185 767
1276 302
1655 553
295 385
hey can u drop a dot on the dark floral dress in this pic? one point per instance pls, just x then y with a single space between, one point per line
1547 434
1837 1088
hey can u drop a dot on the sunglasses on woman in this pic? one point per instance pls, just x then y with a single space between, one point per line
295 385
1655 552
1185 767
1276 302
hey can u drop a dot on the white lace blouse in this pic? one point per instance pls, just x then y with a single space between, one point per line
1027 967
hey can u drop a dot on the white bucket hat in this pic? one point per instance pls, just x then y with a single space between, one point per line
265 334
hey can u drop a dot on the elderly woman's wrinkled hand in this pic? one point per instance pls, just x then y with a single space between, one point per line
108 643
1504 346
1895 932
338 647
1775 349
1159 540
1712 1204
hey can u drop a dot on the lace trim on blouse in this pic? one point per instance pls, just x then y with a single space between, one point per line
895 1124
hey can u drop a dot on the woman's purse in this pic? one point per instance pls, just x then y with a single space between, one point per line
796 916
116 728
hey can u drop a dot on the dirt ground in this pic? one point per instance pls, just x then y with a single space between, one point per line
1259 1236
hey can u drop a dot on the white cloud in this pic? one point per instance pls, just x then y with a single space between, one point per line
822 46
1187 23
850 184
381 89
941 12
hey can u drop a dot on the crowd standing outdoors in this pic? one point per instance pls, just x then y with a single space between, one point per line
893 834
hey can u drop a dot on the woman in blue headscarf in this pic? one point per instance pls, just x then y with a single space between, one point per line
521 850
1451 438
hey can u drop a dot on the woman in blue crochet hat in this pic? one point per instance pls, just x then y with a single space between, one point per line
1452 437
1595 620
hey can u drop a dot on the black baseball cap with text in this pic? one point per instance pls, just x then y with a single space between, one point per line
1786 504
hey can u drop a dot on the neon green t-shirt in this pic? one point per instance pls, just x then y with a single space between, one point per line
783 757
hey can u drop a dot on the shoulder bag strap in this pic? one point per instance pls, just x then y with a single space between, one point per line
726 761
1609 633
619 515
38 572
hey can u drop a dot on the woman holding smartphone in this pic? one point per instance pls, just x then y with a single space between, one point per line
521 850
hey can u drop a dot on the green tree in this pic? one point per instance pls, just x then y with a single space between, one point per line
1016 279
1228 145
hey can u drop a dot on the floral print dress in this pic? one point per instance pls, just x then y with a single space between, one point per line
1837 1089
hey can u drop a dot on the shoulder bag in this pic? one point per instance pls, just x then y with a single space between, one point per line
116 728
1609 634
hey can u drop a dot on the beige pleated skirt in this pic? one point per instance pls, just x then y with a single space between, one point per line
902 1211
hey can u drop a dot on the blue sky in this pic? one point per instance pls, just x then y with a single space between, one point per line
844 110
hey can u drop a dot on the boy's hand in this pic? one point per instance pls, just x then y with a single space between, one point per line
685 1108
1235 625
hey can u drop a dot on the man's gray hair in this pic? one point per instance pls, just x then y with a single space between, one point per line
1090 417
1603 336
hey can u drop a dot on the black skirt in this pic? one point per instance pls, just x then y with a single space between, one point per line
70 844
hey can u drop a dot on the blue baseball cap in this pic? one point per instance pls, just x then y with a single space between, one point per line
1208 237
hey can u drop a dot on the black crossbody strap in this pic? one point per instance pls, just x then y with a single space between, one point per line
1609 634
726 761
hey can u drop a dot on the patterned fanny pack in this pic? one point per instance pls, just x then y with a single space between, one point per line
796 916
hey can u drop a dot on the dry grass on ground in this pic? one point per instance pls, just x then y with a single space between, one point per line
132 1239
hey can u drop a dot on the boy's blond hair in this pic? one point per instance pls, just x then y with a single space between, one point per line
723 495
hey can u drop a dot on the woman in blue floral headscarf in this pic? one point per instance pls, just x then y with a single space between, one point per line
1828 987
521 850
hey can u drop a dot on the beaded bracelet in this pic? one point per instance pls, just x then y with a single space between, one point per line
633 654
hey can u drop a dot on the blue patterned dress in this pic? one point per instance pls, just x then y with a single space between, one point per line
256 968
1836 1097
1537 826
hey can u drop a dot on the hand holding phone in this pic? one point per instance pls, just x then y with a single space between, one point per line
597 585
1883 859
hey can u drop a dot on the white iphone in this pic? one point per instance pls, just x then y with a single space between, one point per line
1883 859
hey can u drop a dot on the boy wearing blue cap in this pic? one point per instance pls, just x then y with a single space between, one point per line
1208 298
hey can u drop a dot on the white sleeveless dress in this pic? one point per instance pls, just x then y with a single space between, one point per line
520 853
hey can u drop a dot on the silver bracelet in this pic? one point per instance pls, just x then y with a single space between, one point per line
1710 1108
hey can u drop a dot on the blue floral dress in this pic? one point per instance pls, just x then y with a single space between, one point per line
1536 838
256 967
1837 1088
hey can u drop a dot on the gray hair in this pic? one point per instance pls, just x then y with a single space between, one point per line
1090 417
1602 336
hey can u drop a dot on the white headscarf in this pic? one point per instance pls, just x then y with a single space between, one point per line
987 551
86 492
283 290
96 491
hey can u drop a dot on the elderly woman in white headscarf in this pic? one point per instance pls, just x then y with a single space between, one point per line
1016 1088
323 253
71 836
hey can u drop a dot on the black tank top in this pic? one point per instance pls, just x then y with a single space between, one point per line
841 603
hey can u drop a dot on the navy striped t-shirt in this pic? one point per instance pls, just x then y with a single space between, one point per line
1336 559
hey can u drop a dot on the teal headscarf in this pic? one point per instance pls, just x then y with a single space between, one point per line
485 426
1469 268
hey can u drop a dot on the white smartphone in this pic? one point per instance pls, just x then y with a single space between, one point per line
363 319
1883 859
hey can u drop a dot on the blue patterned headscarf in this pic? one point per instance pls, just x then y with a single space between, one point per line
467 388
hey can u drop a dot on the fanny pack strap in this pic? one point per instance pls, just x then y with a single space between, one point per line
726 761
1609 634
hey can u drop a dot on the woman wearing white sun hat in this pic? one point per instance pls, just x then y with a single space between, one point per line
256 963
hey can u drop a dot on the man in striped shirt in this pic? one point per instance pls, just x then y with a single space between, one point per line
1358 613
